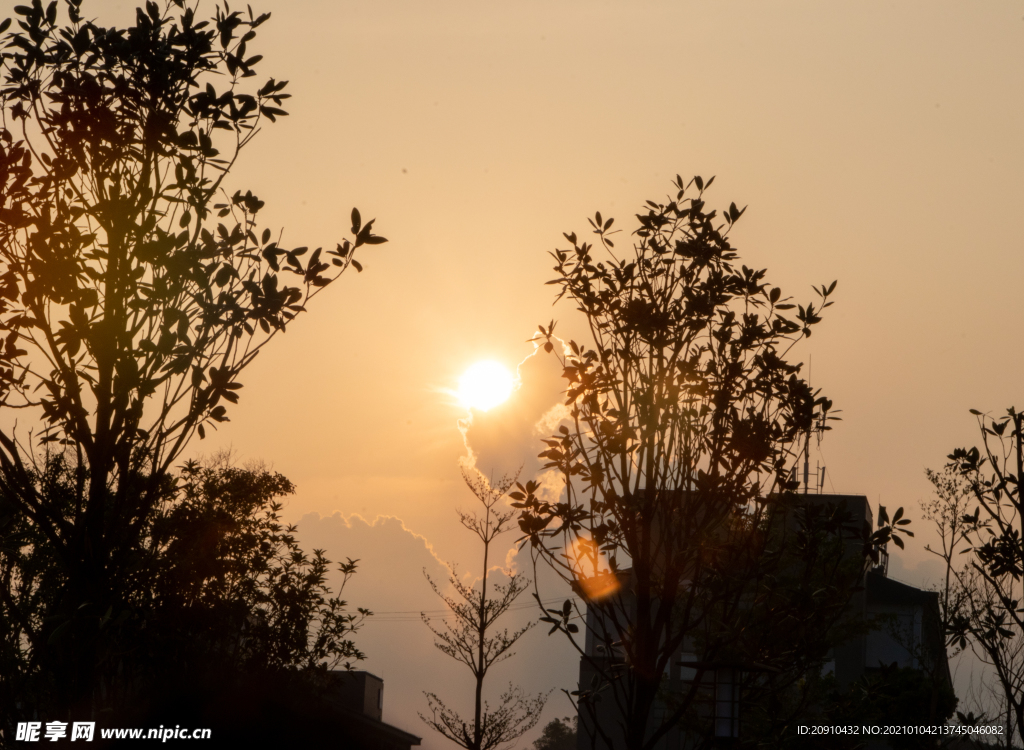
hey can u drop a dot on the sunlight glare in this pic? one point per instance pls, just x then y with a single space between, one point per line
595 585
485 385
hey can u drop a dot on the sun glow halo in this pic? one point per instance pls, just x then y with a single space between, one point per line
485 385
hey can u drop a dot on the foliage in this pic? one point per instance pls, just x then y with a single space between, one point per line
684 422
222 546
985 611
473 640
217 589
886 696
134 288
558 734
947 509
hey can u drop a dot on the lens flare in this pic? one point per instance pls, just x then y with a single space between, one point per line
593 584
485 385
599 586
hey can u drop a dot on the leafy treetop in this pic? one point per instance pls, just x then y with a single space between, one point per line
134 286
120 272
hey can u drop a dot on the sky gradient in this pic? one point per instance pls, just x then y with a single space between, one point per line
875 143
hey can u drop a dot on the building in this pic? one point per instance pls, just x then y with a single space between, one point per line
357 698
899 628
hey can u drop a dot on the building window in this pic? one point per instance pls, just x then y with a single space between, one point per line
727 703
718 697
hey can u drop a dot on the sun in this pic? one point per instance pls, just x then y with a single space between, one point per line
485 385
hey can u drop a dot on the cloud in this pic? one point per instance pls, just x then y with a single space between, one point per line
400 648
507 437
393 559
389 581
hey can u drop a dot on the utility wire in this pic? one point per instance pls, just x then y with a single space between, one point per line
413 615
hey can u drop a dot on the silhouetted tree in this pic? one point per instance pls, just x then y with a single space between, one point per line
219 597
886 696
988 611
474 640
677 527
558 734
134 288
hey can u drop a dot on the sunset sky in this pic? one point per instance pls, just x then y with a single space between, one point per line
876 143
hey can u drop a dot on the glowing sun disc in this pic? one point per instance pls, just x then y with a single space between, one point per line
485 385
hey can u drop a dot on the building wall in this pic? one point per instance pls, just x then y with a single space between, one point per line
901 624
361 692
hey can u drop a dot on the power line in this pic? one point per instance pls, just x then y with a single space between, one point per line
413 615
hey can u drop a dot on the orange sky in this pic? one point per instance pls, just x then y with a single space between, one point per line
877 143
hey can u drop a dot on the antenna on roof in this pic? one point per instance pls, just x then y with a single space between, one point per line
819 426
807 459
